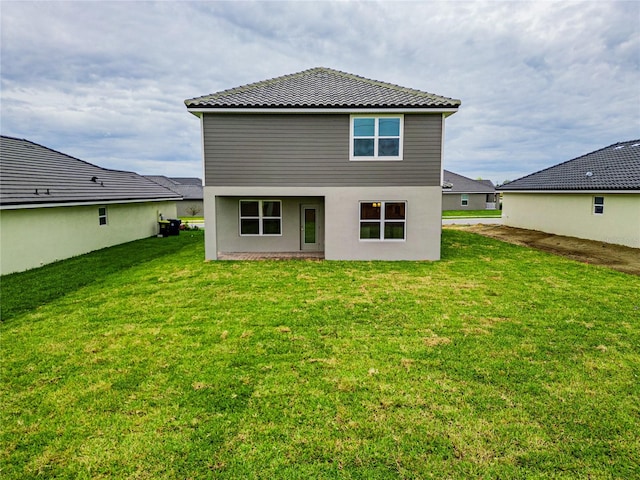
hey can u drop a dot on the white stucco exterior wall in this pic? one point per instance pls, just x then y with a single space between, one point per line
572 215
341 221
33 237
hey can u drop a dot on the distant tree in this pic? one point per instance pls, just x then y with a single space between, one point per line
193 210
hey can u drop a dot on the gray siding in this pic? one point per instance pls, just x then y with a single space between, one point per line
453 201
312 150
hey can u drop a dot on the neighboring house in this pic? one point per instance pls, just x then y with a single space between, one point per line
323 160
462 193
189 188
595 196
54 206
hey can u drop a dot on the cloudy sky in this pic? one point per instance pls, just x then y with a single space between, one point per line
540 82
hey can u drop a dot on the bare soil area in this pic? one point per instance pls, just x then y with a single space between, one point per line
617 257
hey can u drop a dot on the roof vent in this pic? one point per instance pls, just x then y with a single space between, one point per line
94 179
589 174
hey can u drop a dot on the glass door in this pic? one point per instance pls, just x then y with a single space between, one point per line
309 228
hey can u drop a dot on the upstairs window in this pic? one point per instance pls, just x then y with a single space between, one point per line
102 215
382 220
260 217
376 138
598 205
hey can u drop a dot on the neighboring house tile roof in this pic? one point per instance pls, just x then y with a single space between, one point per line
187 180
321 88
616 167
188 188
31 174
455 183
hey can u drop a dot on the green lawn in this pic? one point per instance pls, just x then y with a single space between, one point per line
471 213
143 361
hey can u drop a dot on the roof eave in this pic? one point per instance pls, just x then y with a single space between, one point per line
574 190
80 203
450 110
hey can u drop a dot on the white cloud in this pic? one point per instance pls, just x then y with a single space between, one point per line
540 82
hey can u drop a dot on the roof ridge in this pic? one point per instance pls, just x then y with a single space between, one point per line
70 156
381 83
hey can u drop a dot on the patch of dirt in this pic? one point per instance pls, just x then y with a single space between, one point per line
617 257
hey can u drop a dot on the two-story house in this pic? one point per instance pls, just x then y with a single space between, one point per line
323 160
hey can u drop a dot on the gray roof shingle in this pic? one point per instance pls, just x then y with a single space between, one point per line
455 183
616 167
31 174
189 188
321 88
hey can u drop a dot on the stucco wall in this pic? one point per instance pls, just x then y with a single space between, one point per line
341 221
31 238
572 215
228 236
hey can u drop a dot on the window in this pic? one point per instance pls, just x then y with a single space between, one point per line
382 220
598 205
376 138
102 215
260 217
464 199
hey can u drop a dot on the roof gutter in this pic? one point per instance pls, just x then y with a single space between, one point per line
590 192
22 206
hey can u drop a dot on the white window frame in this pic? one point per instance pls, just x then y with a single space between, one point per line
464 199
260 218
103 218
596 205
376 137
382 221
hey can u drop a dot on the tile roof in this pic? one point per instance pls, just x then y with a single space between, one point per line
616 167
455 183
188 188
31 174
321 88
187 180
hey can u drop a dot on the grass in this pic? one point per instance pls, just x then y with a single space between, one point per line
496 362
471 213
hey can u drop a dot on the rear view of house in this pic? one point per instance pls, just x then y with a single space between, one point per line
54 206
595 196
324 161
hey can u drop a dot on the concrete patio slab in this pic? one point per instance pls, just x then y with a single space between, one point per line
270 255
